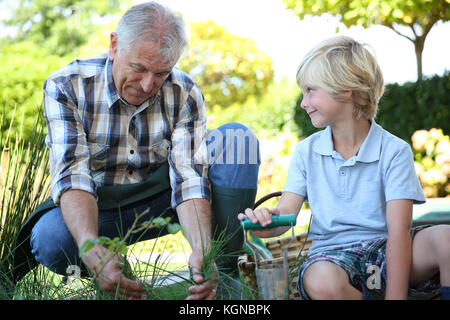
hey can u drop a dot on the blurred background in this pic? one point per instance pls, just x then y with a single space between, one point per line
244 56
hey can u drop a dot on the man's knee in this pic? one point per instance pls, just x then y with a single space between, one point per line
233 144
234 156
52 244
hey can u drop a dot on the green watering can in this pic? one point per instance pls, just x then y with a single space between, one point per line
272 279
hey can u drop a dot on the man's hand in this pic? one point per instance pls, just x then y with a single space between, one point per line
195 218
80 212
203 290
106 268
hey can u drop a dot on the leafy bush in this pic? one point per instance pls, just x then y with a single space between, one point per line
24 66
228 68
269 116
61 26
432 161
416 105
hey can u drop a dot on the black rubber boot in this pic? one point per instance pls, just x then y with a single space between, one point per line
227 204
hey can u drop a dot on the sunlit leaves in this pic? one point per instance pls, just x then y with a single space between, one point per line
367 12
24 66
228 68
59 25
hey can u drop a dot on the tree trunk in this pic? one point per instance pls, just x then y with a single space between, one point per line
418 45
418 41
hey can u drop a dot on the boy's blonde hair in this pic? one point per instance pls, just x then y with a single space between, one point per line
341 64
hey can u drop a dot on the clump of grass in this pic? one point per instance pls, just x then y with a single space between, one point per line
24 183
154 276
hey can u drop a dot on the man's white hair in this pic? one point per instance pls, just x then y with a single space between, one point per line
151 21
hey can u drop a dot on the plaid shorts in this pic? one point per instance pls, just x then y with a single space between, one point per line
365 265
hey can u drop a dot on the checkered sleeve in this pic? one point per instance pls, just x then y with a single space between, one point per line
66 140
187 158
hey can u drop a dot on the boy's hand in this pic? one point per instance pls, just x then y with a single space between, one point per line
262 216
289 203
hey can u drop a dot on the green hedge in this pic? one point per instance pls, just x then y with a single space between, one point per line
403 108
24 66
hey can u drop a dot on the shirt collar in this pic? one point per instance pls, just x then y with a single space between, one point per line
324 144
371 147
369 151
111 91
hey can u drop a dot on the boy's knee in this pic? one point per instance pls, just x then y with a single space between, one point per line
322 281
441 242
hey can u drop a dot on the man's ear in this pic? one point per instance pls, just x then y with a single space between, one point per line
113 46
349 93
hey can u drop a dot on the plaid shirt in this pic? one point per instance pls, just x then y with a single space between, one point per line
97 139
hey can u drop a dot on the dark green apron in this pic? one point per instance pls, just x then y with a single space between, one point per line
226 204
109 197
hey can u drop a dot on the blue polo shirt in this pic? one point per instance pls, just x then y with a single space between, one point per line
348 197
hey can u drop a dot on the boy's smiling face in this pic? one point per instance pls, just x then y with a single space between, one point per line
323 109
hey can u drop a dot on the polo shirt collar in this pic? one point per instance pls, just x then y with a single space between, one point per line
371 147
369 151
324 144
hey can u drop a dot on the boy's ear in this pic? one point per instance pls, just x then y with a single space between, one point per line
348 93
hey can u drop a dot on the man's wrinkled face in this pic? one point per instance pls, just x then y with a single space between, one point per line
138 72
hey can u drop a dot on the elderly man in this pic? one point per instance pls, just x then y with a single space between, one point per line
126 133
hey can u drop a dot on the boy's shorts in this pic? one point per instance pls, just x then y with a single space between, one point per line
365 265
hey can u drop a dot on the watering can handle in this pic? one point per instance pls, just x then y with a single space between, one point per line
277 221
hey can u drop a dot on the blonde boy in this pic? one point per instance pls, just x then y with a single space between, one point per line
360 183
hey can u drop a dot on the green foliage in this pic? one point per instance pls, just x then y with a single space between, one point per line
48 36
113 245
229 69
404 108
368 12
118 245
61 26
160 223
272 114
24 66
412 106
